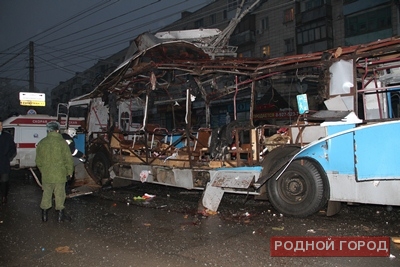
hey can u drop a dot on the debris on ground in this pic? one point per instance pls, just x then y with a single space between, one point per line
144 197
64 249
207 212
396 240
148 196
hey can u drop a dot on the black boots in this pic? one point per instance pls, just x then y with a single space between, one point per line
45 215
63 216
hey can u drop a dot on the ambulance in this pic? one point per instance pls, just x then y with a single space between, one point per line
27 131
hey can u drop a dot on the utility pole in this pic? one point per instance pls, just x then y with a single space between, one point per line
31 68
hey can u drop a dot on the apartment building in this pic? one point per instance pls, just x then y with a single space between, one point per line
84 82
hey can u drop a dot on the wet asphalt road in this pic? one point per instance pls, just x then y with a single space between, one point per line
167 231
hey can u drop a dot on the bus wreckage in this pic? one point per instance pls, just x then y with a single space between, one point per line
160 118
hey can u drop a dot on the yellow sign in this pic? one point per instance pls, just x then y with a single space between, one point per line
32 99
36 103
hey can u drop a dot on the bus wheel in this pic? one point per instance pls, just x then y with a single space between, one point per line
100 166
300 191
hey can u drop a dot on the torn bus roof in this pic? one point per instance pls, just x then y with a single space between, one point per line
179 64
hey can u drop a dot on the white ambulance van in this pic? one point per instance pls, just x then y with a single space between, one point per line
27 131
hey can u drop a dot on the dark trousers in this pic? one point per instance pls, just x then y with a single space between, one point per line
4 178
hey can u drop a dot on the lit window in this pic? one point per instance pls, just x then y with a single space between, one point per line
288 15
266 51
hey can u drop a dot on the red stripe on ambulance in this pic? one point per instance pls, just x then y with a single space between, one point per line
26 145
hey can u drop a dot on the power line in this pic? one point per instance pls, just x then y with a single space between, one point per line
76 21
22 80
55 65
87 49
63 22
90 48
112 36
60 23
102 31
51 52
52 27
16 55
98 24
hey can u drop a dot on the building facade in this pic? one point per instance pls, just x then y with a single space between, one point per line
84 82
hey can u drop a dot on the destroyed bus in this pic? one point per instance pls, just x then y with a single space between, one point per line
153 120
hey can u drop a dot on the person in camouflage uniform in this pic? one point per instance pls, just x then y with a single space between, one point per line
54 160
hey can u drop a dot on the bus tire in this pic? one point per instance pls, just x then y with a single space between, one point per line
300 191
100 166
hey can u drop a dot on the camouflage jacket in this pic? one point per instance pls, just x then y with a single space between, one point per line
53 158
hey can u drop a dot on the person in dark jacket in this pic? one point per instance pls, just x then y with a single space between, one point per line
77 155
69 138
8 150
53 158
